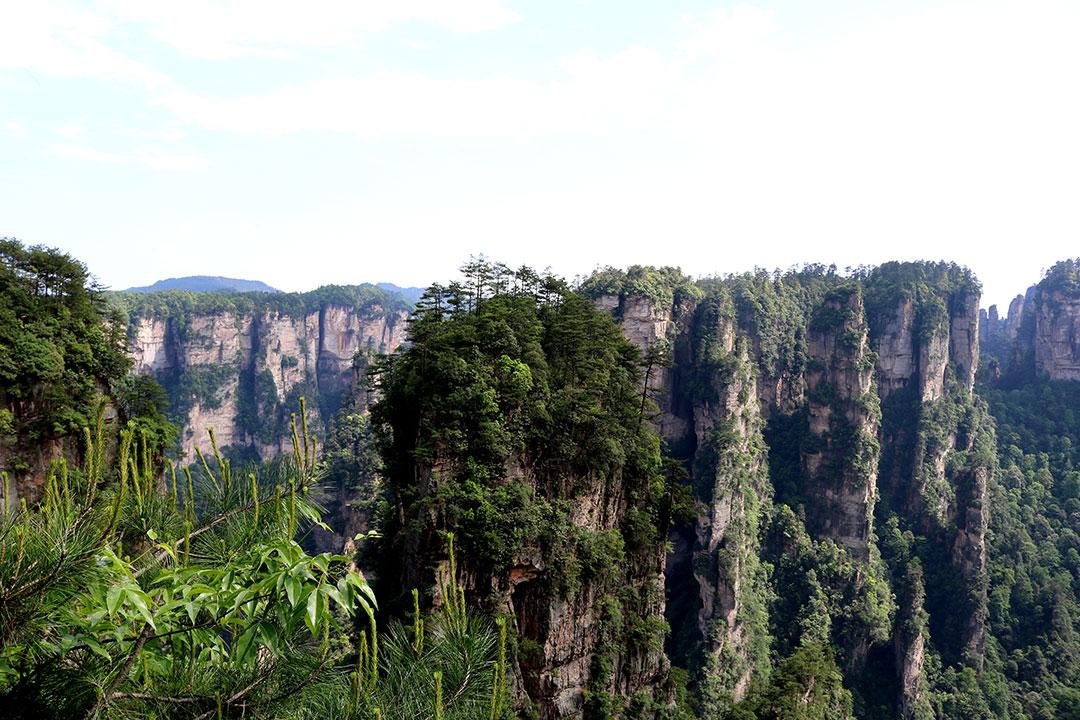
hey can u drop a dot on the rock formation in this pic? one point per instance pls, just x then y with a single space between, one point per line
918 354
841 460
242 373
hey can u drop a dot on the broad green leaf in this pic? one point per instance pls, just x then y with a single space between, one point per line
269 634
96 648
169 551
245 643
292 589
337 597
140 600
113 599
312 615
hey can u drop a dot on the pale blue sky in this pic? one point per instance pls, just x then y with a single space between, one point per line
349 141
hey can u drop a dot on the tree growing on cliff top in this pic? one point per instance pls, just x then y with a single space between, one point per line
60 345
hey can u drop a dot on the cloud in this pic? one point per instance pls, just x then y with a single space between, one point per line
842 134
592 95
151 157
738 32
71 131
274 28
63 41
15 129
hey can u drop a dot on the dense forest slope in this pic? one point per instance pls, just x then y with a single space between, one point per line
769 495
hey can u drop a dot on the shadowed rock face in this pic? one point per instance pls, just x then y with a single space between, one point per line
906 354
567 631
648 324
1041 335
842 412
261 363
1057 335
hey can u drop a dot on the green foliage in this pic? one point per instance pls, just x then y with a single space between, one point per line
665 286
122 598
180 305
807 685
820 593
350 457
144 401
1035 543
927 285
553 383
513 402
1063 277
60 348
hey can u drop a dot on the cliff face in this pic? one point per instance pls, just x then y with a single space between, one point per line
1041 335
937 459
242 374
885 387
656 330
841 460
733 495
923 349
911 347
1057 334
571 636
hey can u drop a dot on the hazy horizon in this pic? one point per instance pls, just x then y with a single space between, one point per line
1003 306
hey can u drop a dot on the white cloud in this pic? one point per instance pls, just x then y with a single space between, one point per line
593 95
71 131
213 29
55 39
15 129
85 152
389 104
151 157
738 32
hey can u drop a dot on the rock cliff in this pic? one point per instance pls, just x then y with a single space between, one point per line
1041 335
848 380
809 391
550 479
842 453
733 494
242 370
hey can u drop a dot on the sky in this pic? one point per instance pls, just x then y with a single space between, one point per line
348 141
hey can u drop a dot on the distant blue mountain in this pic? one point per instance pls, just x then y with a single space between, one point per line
412 294
205 283
212 283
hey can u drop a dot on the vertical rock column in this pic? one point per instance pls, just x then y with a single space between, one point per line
732 493
841 463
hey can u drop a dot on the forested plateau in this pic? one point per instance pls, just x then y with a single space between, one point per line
769 495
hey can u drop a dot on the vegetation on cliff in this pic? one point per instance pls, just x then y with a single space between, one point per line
59 347
181 304
514 418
